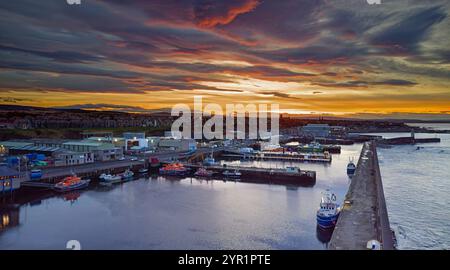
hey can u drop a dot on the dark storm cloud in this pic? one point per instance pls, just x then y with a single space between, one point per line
316 53
59 56
288 20
278 94
395 83
47 82
358 83
115 107
406 34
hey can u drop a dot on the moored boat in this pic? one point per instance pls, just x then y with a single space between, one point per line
110 178
313 147
351 168
174 169
35 174
328 212
71 183
210 161
202 172
127 175
143 170
232 174
154 162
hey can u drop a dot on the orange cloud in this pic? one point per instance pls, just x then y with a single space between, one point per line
210 15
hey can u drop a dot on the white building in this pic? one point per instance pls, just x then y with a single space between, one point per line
101 151
177 144
73 158
135 141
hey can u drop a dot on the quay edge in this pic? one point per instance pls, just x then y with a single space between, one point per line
364 215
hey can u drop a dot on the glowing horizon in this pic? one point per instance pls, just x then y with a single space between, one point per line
341 57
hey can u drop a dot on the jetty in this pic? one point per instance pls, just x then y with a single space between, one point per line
364 215
279 156
290 176
408 140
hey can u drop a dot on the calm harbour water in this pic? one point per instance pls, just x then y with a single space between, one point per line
186 214
193 214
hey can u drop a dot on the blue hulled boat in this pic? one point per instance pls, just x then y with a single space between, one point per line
351 168
328 212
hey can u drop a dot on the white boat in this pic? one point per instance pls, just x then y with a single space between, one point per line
232 174
202 172
109 178
127 175
294 170
143 170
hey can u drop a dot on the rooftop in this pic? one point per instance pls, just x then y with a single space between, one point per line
37 148
10 144
318 125
84 143
6 171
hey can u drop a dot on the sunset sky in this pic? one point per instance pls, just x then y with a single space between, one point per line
310 56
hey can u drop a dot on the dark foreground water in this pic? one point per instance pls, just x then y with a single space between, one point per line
187 214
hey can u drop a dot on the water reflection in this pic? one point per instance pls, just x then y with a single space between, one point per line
154 212
324 235
71 196
9 217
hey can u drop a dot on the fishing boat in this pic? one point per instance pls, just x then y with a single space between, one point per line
70 183
313 147
210 161
202 172
127 175
232 174
175 169
35 174
328 212
143 170
351 168
154 162
110 178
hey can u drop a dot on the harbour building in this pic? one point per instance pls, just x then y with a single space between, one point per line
316 130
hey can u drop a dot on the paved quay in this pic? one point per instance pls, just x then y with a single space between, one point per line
364 216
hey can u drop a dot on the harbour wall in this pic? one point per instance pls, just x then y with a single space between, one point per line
364 215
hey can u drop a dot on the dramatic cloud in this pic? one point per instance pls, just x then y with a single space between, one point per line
392 82
334 56
209 13
102 106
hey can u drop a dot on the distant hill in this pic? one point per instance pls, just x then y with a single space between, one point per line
90 108
11 108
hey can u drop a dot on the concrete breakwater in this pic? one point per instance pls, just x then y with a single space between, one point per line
408 140
364 215
269 176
